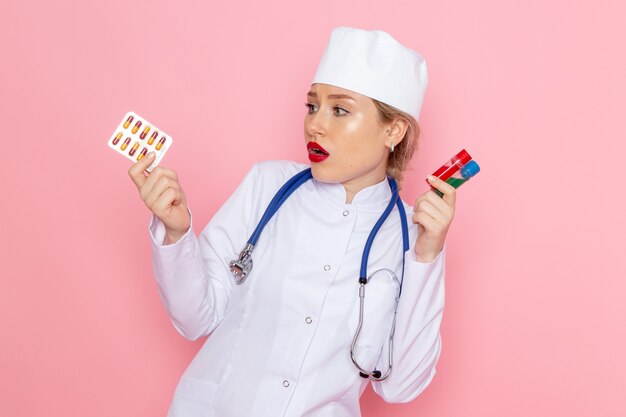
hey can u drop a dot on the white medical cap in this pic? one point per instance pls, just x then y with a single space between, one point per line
372 63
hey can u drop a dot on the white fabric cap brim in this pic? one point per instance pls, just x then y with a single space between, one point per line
374 64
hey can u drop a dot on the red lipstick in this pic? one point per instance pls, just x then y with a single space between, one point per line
316 152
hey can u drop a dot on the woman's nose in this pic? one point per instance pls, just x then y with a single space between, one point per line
315 124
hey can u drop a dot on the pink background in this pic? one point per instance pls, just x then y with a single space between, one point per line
535 91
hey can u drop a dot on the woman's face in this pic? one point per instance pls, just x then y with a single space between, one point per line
346 126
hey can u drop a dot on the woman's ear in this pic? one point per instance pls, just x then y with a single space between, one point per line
395 131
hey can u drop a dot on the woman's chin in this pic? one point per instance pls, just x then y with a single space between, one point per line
324 174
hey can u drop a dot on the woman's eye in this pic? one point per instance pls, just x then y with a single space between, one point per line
339 111
311 107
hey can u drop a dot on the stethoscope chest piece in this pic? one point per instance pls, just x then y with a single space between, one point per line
242 266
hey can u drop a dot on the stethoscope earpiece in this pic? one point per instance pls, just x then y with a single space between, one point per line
376 374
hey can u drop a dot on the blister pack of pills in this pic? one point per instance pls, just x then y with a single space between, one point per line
135 137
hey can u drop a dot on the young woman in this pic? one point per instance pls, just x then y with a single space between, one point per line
281 336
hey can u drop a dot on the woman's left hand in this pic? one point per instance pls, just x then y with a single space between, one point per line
433 215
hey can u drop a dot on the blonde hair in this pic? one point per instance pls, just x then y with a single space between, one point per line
399 159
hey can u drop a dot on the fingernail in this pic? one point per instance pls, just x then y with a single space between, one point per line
430 178
150 155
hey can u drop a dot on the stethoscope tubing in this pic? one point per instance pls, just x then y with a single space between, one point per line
281 196
376 375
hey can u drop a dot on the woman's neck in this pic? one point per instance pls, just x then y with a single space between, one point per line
355 185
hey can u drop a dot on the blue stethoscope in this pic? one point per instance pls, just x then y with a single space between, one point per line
242 266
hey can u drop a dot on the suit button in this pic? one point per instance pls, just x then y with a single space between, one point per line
345 213
285 383
308 320
326 267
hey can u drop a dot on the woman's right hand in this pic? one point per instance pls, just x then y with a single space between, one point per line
163 195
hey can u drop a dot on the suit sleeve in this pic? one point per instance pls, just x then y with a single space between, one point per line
192 275
417 339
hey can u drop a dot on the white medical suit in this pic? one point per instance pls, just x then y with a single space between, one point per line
279 344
